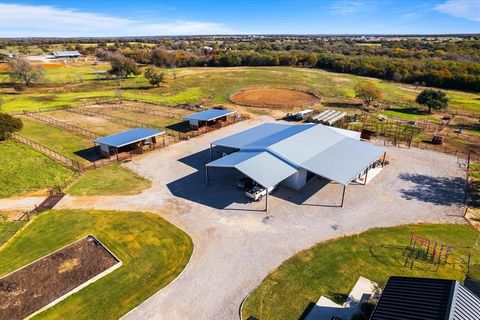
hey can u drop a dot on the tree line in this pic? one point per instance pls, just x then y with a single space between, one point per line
448 74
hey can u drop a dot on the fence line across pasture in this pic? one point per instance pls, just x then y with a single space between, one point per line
154 112
77 166
120 120
62 125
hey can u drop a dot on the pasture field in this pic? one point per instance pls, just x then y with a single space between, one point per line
153 253
25 170
109 180
331 268
215 85
61 141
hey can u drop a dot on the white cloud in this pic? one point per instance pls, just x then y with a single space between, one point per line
346 7
468 9
17 20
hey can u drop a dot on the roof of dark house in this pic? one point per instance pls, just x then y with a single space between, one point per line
427 299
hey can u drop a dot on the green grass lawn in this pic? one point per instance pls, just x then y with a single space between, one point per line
34 99
153 253
109 180
8 228
23 170
58 140
332 268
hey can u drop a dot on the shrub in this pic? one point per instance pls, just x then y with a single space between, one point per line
8 125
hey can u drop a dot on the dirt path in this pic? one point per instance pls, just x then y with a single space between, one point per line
20 203
235 248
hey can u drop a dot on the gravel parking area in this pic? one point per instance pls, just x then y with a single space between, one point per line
237 244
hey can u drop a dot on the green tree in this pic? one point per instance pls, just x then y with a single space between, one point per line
368 92
432 99
8 125
155 76
23 71
122 67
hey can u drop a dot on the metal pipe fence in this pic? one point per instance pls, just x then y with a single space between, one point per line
62 125
123 121
154 112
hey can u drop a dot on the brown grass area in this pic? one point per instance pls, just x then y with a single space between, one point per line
274 97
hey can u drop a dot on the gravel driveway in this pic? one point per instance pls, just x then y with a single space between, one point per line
237 245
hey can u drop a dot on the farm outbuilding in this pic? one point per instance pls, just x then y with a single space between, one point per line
208 117
66 54
274 153
129 140
328 117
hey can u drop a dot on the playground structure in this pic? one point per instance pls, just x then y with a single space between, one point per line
425 250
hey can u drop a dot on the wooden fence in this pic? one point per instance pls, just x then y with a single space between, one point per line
77 166
160 113
62 125
123 121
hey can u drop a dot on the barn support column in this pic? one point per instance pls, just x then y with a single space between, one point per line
211 152
266 200
383 159
206 175
116 153
343 195
163 136
366 177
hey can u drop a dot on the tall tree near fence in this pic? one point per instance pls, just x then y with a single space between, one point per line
9 125
368 92
432 99
21 70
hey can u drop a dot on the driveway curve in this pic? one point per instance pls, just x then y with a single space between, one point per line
236 247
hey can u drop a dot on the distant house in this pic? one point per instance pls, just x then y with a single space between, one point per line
66 54
426 299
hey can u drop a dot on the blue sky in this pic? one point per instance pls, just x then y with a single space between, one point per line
128 18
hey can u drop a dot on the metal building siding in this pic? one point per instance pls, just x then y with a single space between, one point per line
465 304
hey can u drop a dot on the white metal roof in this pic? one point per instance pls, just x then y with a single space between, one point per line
263 167
332 153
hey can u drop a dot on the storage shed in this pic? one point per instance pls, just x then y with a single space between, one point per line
208 117
129 140
66 54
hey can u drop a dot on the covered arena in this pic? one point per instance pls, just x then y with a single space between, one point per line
273 153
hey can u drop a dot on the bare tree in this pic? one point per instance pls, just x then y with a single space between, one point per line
23 71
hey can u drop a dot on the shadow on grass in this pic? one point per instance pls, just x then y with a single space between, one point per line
410 111
90 154
443 191
342 105
307 310
183 127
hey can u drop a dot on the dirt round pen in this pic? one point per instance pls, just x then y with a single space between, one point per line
275 97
